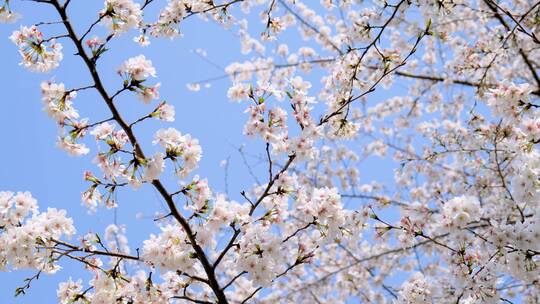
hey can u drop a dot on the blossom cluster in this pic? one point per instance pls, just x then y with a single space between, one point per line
36 55
121 15
27 234
58 104
136 70
173 13
261 255
460 211
168 250
180 147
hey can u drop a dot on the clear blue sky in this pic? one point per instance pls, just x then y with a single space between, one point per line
31 161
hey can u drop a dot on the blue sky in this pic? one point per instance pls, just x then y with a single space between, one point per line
32 162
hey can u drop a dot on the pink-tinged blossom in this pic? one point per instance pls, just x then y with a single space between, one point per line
200 194
94 43
195 87
460 211
121 15
154 167
137 68
25 242
71 147
180 146
173 13
91 198
531 128
506 98
67 291
168 250
142 40
239 92
260 254
165 112
6 14
226 212
58 102
111 168
102 131
15 207
147 94
36 55
416 290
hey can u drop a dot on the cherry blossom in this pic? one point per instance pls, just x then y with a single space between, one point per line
178 146
36 55
26 238
390 156
164 112
6 14
58 102
137 68
121 15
